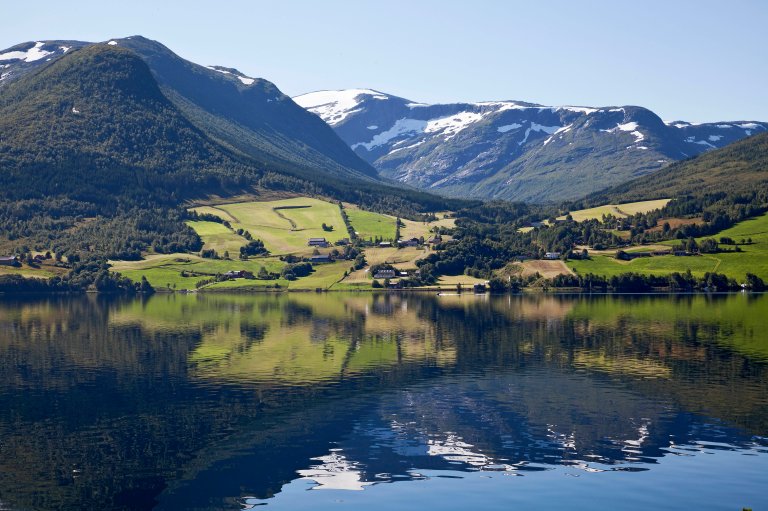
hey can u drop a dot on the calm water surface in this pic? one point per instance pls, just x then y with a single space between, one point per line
334 401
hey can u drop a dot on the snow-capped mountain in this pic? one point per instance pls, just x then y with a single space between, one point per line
512 149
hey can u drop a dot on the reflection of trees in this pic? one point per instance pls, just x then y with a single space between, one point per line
119 398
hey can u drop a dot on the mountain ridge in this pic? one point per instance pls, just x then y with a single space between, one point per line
512 149
248 115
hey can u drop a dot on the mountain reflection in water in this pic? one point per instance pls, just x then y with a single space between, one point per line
223 402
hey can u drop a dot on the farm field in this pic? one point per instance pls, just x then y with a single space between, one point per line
26 271
413 229
752 259
617 210
546 269
369 225
403 258
465 280
218 237
286 225
164 270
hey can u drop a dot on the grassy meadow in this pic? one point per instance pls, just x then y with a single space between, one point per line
617 210
369 225
284 226
752 259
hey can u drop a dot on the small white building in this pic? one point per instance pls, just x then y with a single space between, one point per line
552 255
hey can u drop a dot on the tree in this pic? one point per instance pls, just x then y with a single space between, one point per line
755 283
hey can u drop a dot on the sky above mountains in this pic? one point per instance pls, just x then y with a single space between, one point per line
697 60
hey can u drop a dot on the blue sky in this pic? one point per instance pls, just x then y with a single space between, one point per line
699 60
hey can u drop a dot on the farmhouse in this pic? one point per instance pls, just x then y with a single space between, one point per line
239 274
552 255
385 244
385 274
9 261
320 259
412 242
435 239
317 242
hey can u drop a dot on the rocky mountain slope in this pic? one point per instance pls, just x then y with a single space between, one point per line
511 149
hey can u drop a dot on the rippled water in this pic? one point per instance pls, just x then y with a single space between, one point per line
384 402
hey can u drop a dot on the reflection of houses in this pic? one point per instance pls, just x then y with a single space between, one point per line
480 288
552 255
239 274
385 274
318 242
9 261
320 259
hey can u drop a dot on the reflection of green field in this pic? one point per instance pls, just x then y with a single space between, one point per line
752 259
738 321
287 339
370 225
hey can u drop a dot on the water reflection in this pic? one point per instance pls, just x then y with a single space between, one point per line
216 401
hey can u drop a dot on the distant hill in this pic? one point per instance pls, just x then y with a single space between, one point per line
738 167
512 149
95 124
249 115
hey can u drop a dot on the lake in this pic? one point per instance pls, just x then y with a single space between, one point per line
384 401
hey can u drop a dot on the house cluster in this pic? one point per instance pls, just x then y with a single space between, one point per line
239 274
321 258
318 242
393 274
412 242
9 261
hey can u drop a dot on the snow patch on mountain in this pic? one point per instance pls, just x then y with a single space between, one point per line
333 106
631 127
451 125
246 80
401 127
564 129
508 127
538 128
30 55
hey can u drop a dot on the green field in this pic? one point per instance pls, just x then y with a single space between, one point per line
284 226
617 210
164 270
752 259
218 237
369 226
